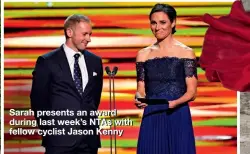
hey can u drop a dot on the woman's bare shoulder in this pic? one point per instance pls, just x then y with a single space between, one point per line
142 54
185 51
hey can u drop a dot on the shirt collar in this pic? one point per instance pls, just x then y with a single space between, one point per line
70 52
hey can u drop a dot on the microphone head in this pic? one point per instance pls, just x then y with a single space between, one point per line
115 69
107 69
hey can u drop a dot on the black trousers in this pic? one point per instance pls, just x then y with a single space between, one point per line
83 149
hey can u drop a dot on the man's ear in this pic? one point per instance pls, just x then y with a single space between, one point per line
69 32
246 5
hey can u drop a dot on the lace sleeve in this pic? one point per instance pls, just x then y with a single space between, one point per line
190 68
140 74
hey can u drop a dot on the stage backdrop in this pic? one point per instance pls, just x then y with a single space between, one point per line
119 31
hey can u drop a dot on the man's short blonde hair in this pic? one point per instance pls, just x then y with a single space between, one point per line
73 20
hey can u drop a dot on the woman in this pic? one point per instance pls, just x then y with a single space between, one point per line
166 70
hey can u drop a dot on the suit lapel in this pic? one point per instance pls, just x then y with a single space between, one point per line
63 62
88 64
89 67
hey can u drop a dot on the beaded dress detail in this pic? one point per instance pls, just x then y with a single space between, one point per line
164 130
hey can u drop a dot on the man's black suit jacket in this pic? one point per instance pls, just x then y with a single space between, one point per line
53 88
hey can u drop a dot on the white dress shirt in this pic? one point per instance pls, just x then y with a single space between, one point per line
71 60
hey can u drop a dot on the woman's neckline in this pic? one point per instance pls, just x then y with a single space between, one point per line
168 57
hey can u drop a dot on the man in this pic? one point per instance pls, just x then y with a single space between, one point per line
69 78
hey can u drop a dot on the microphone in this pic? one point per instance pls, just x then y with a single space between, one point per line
112 105
108 71
115 69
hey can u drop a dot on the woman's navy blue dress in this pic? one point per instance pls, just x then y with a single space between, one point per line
164 130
